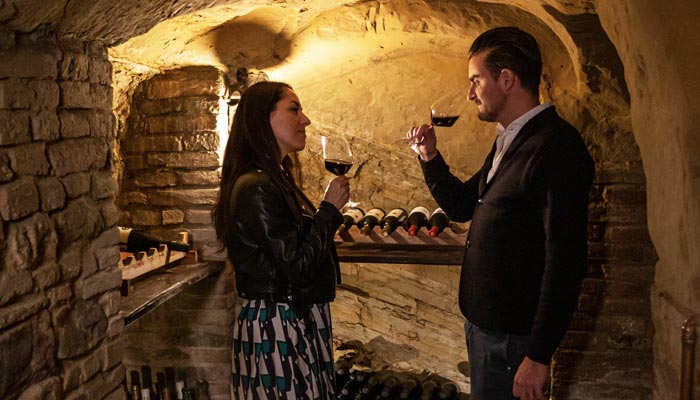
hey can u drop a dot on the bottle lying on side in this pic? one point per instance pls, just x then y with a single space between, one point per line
393 220
370 220
136 240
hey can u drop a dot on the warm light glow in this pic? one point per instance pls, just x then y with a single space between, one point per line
222 127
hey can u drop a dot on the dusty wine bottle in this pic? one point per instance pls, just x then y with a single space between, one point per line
351 216
417 218
370 220
391 387
429 386
162 387
393 220
180 385
410 389
170 382
370 390
448 391
350 388
136 241
342 372
147 392
135 388
438 222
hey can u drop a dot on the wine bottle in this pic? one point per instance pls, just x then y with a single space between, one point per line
351 216
429 386
188 394
162 387
147 392
136 241
170 382
180 385
350 388
342 372
417 218
135 388
370 220
410 389
438 222
370 390
393 220
391 387
448 391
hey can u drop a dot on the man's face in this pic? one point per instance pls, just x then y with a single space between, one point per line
485 91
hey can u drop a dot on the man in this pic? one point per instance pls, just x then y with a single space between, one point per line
526 249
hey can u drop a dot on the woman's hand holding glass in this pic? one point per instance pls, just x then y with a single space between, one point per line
338 191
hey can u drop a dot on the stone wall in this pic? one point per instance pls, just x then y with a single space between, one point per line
169 182
59 324
170 174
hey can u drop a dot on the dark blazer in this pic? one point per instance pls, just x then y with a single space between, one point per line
525 254
281 246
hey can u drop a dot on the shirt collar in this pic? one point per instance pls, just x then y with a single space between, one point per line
518 123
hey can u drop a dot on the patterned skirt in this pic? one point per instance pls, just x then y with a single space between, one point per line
277 356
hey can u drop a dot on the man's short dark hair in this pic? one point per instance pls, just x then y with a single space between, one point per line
512 48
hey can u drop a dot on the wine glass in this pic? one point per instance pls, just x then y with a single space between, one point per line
337 157
444 112
446 109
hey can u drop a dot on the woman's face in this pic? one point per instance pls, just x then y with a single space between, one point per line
289 124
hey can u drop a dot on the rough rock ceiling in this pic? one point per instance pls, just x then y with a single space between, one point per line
117 21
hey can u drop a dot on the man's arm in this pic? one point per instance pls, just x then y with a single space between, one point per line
458 199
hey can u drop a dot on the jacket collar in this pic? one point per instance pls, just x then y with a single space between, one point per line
531 127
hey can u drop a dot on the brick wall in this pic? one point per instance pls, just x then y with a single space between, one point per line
59 324
169 150
169 183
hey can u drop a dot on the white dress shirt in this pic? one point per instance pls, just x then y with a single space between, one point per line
506 135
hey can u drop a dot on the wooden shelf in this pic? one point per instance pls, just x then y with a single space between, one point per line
161 285
399 248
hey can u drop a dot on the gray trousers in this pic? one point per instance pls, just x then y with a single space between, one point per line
494 358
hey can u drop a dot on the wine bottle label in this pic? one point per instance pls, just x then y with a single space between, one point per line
437 211
377 213
355 213
398 213
422 210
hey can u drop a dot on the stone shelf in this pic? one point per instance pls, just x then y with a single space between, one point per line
161 285
399 248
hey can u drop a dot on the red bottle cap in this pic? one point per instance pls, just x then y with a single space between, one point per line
412 230
433 231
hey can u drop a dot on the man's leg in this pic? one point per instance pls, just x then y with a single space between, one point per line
493 360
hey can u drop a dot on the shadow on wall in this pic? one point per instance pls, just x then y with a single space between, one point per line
251 44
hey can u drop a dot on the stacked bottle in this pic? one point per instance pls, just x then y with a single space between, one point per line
351 217
167 386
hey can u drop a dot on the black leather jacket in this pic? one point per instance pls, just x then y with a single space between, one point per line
281 247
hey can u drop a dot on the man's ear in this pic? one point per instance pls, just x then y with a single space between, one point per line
507 78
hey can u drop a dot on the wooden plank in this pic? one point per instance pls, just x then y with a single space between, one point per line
400 248
149 293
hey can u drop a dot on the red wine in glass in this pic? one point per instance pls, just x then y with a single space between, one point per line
445 110
445 121
338 167
337 156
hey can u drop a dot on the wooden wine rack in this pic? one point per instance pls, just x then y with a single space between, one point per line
134 265
399 248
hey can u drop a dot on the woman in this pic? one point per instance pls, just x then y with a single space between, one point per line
282 251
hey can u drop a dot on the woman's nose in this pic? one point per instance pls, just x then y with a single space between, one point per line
305 120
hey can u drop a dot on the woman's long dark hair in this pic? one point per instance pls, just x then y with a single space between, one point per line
251 145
